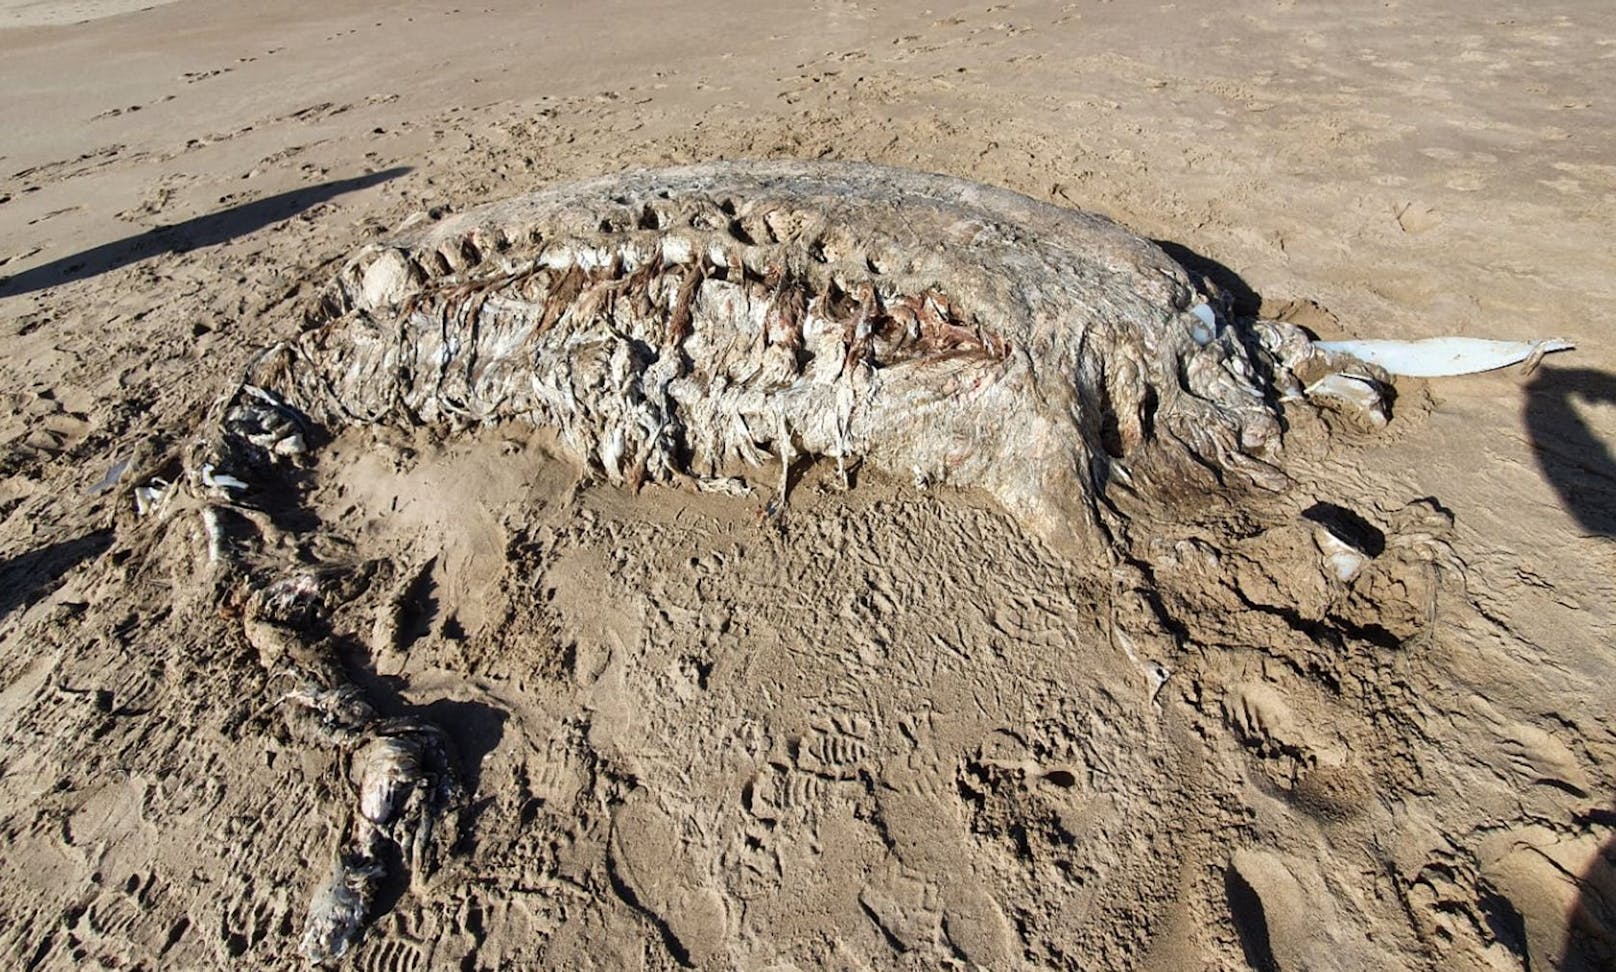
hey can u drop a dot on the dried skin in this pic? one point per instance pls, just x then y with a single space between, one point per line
696 322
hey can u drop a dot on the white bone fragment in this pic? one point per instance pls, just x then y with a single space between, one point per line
1443 357
262 395
1343 559
149 497
385 281
591 257
1350 393
217 480
676 249
1208 328
725 485
217 552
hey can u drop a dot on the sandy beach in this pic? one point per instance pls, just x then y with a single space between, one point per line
894 729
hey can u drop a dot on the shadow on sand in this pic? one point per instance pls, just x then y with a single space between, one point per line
27 576
227 224
1242 299
1575 459
1590 944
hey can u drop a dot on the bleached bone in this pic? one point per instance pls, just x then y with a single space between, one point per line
1444 357
1356 394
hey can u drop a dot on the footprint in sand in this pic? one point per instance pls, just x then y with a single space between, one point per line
653 872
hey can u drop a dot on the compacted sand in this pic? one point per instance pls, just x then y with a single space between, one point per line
892 729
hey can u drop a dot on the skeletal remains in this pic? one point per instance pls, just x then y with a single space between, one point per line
688 326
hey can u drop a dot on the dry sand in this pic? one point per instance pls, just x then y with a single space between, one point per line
900 733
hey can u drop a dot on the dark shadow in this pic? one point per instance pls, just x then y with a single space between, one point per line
1590 944
29 575
474 728
202 231
1348 527
420 606
1506 925
1575 459
1250 922
1243 301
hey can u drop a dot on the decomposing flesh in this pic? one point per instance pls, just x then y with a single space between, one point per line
689 325
696 326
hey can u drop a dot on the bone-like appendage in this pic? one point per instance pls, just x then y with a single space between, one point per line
697 323
398 767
